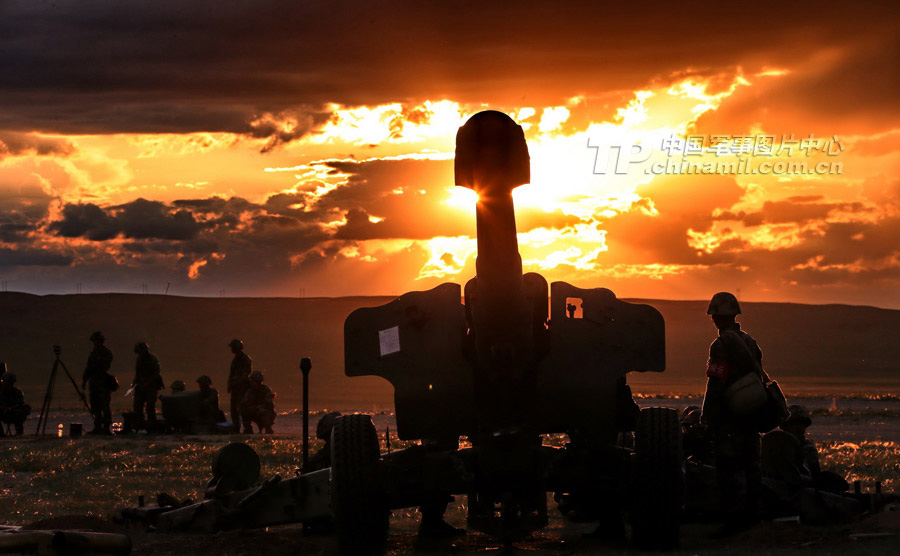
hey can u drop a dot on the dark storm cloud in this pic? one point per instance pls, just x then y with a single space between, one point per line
142 219
139 219
85 220
852 92
27 203
96 67
22 209
15 143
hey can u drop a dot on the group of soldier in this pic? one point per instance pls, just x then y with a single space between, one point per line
754 474
252 401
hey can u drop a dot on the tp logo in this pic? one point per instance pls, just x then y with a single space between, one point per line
617 157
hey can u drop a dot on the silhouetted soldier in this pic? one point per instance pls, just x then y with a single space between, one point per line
322 458
96 374
147 384
13 409
258 405
788 454
736 440
177 386
790 463
695 437
210 413
238 380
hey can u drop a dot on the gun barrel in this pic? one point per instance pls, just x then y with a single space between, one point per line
492 159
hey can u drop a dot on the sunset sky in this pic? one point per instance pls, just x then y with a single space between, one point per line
280 148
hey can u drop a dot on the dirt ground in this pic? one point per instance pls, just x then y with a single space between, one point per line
879 534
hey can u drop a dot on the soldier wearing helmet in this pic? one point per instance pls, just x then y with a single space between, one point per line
790 463
258 405
736 441
96 374
238 380
788 455
209 402
147 383
13 409
322 458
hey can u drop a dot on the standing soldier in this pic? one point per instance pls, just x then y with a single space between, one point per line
258 405
96 375
736 439
238 380
13 409
147 384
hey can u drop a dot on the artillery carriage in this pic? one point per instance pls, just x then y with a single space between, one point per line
501 372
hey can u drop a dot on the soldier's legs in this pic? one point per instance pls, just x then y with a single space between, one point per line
138 406
107 413
152 396
248 417
18 421
236 410
728 473
266 420
433 524
96 400
737 458
750 444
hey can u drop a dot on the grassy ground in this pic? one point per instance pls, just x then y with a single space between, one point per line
46 478
52 477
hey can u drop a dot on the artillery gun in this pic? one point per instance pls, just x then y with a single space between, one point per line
501 372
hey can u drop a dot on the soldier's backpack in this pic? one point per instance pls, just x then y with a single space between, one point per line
755 395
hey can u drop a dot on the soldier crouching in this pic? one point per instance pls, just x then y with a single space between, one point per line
13 409
258 405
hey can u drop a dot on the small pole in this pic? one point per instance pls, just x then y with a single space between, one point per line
387 438
305 366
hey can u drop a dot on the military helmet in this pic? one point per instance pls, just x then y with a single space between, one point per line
326 423
8 377
178 386
141 347
97 337
257 376
204 379
236 344
723 304
798 413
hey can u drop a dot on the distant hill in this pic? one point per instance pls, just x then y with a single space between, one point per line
835 349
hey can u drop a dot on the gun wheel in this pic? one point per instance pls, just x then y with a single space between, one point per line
658 487
360 515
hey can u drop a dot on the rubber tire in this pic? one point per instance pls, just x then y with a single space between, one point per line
658 481
360 515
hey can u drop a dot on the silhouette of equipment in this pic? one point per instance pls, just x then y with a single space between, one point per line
498 371
48 394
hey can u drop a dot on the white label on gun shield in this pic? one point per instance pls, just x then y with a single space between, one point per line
389 340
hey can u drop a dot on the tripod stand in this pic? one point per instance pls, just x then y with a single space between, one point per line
48 395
